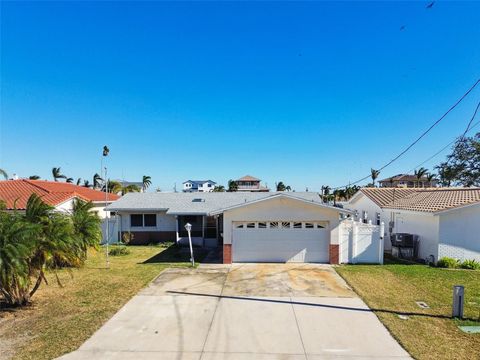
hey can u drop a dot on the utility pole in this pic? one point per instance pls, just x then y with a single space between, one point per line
106 150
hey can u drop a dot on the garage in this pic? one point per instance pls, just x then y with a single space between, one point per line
280 241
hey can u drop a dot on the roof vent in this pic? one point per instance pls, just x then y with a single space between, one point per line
198 200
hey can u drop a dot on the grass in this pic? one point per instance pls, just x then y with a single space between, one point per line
60 319
393 289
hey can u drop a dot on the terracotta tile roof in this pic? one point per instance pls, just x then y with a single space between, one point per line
15 193
423 200
248 178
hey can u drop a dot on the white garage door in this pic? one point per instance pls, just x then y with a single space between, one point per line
280 241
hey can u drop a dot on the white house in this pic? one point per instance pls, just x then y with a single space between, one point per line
251 226
447 220
199 186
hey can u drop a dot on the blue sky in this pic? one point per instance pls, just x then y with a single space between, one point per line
307 93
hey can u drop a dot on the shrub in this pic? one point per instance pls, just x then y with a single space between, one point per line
119 251
446 262
470 265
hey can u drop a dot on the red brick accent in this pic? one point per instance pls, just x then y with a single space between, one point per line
334 253
227 253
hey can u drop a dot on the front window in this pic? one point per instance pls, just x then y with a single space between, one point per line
150 220
136 220
143 220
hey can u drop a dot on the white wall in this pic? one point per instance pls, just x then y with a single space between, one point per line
362 203
164 222
280 209
426 225
460 233
360 243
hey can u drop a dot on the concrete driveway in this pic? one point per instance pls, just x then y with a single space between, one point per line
251 311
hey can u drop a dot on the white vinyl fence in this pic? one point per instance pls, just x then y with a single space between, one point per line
112 230
361 243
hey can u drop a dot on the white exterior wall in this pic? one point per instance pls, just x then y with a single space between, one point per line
425 225
363 203
281 209
460 233
66 206
164 222
204 187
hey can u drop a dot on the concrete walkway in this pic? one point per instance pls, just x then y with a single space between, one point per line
252 311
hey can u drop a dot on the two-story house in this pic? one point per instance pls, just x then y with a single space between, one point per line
250 183
199 186
407 181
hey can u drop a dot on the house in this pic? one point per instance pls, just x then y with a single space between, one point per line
447 220
199 185
248 226
250 184
137 184
407 181
15 194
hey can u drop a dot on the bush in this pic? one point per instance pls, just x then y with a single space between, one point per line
470 265
119 251
449 263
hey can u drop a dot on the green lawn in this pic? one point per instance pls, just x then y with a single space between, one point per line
61 319
392 289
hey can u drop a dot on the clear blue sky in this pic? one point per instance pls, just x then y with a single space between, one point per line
308 93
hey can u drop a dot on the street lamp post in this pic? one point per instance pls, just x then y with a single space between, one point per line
105 153
188 227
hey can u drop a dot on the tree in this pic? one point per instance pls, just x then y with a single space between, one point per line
34 177
97 181
86 227
419 174
219 188
232 185
69 180
116 187
374 174
86 184
280 186
288 188
146 182
4 174
462 167
56 173
79 181
431 178
325 193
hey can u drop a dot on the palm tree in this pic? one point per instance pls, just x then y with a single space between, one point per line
419 174
97 181
34 177
325 193
86 184
288 188
86 226
430 178
146 182
79 181
232 185
374 174
4 174
69 180
280 186
56 172
219 188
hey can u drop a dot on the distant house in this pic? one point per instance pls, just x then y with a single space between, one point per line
199 186
125 184
251 184
60 195
445 219
407 181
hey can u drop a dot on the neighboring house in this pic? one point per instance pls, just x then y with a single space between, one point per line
125 184
199 186
251 184
447 220
407 181
15 194
249 226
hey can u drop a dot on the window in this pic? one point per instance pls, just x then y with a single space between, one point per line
239 226
209 185
308 225
262 225
251 225
285 225
274 225
150 220
320 225
297 225
136 220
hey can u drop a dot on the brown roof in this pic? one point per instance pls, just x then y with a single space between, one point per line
403 177
248 178
423 199
15 193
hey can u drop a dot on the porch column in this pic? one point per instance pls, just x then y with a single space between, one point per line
176 227
203 231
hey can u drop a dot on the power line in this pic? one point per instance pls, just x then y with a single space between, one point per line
420 137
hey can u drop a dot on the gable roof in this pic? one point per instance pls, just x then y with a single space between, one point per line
248 178
199 182
15 193
199 203
430 200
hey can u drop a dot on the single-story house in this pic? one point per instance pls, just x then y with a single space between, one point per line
447 220
249 226
60 195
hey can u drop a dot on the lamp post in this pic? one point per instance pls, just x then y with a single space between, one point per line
188 227
105 152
